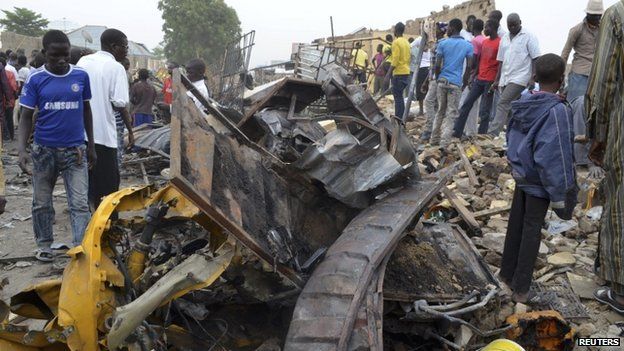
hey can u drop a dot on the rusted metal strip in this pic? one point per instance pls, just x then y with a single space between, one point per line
328 306
223 221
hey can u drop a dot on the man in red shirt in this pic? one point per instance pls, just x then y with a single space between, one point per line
167 91
485 76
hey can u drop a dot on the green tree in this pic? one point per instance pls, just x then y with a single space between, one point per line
159 51
24 21
197 28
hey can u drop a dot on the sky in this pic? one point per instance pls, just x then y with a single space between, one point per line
279 23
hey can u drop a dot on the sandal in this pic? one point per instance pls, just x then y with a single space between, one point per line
44 255
605 295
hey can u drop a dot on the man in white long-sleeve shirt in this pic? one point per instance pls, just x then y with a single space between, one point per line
109 87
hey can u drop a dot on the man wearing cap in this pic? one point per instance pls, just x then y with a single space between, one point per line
605 108
582 38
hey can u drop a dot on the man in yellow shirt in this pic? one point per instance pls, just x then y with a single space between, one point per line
359 62
399 70
388 46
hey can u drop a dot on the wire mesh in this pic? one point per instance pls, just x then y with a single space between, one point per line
228 76
561 298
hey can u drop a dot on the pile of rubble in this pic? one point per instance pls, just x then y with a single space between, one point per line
479 198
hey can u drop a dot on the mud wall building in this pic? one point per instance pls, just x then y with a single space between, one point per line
14 41
479 8
370 37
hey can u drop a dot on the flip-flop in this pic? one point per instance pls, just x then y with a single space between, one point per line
605 295
537 298
44 255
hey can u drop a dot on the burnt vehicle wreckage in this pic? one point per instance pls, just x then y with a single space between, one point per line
293 223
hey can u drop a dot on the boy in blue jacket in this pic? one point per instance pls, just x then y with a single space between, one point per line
540 139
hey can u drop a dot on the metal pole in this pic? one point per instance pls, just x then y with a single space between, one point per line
331 22
412 85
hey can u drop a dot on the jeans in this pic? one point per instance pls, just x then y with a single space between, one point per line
8 132
448 100
48 163
423 72
510 93
119 123
377 85
407 90
399 84
479 88
522 242
431 107
141 118
360 75
577 85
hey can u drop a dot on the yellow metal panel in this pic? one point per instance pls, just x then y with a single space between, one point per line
84 292
28 302
86 299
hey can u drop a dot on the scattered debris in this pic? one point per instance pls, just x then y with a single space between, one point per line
541 330
561 259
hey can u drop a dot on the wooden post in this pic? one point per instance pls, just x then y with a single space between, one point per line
474 181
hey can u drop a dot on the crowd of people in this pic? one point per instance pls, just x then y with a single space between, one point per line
556 119
74 107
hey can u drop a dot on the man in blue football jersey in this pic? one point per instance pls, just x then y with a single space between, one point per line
61 93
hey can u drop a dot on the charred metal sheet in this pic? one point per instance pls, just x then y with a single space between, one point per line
280 95
328 306
288 138
157 140
439 264
348 167
247 190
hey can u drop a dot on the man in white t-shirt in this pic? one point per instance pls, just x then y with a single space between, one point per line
109 87
466 33
23 71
